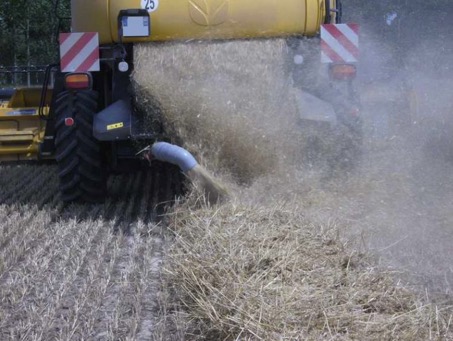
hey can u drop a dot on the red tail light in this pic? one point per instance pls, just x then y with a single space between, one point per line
69 121
77 81
342 71
354 112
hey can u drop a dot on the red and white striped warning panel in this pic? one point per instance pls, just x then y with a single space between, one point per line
339 43
79 52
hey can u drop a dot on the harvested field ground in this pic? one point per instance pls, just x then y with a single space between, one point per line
360 257
78 272
246 270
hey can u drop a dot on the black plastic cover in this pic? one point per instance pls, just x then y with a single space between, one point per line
114 122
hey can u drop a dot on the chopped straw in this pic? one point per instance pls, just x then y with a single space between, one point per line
212 100
257 267
267 273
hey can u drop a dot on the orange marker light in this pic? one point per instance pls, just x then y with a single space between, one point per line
78 81
342 71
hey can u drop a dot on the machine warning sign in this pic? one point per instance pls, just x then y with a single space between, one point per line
150 5
115 126
79 51
339 43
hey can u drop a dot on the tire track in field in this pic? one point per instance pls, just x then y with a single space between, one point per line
122 308
150 287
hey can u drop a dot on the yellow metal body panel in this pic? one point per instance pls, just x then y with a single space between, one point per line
8 135
204 19
21 129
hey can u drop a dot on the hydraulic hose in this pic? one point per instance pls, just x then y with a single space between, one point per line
176 155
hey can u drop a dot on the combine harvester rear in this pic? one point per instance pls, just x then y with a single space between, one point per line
88 121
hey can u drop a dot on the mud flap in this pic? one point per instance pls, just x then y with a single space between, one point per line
314 109
114 122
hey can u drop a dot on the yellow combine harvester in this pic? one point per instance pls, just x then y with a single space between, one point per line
21 128
88 121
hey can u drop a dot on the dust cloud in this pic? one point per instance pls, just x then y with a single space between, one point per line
403 196
227 102
232 105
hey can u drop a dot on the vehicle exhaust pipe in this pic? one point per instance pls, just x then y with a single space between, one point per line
214 191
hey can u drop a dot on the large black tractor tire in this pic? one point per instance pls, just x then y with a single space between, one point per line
78 153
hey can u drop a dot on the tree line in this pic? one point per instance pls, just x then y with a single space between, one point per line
29 30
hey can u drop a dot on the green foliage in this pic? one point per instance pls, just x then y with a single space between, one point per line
29 30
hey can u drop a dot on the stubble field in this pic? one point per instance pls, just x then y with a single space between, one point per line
78 272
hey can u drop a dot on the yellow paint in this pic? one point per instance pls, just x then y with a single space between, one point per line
207 13
204 19
115 126
21 129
